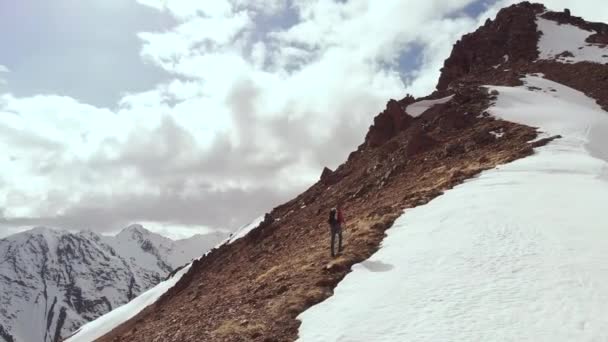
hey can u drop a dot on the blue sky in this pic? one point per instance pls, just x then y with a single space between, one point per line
90 50
194 116
83 49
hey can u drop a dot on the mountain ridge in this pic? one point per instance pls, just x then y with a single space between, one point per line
55 280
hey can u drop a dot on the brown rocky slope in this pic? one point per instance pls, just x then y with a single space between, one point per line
253 289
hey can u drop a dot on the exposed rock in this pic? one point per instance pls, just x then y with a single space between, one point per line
326 174
483 138
545 141
513 33
454 149
419 142
565 18
598 38
565 54
390 122
407 100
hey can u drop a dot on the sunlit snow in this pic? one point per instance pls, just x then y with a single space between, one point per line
417 108
241 232
517 254
557 39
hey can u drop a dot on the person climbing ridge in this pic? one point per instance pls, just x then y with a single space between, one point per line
336 220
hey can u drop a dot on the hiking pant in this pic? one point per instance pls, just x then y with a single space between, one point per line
336 229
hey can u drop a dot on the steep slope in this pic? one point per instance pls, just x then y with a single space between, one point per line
498 258
515 254
255 288
106 323
109 321
51 282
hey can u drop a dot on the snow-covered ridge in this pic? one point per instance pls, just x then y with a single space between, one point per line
517 254
566 43
52 282
244 230
154 250
113 319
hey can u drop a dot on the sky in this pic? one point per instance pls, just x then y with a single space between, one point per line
194 116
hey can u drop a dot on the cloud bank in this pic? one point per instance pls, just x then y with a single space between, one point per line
260 95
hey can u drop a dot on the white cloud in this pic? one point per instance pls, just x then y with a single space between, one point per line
253 113
250 110
185 9
191 38
258 55
264 7
3 69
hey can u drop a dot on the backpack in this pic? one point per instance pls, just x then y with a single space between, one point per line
333 216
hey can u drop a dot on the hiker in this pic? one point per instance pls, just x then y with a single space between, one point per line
336 219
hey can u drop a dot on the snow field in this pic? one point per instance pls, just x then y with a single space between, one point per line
557 38
517 254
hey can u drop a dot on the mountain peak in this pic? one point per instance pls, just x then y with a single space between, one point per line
135 228
41 229
44 231
510 38
523 38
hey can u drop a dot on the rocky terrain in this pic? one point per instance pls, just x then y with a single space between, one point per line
254 288
52 282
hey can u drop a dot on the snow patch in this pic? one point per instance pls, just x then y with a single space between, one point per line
417 108
566 43
241 232
557 109
496 258
498 134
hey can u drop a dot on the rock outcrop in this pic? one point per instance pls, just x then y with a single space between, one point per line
510 38
390 122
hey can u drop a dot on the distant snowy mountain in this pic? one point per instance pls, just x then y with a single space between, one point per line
104 324
156 252
52 282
